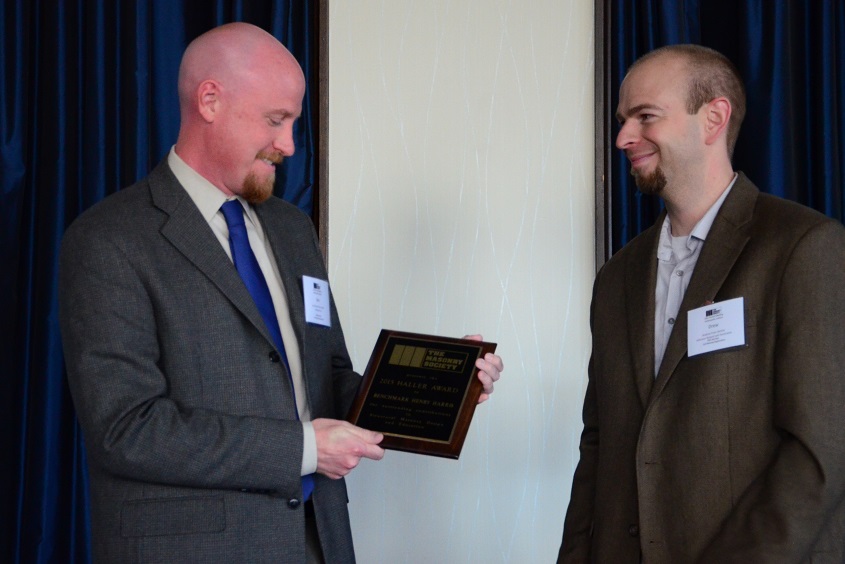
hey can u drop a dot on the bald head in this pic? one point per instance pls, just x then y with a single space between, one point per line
240 92
234 55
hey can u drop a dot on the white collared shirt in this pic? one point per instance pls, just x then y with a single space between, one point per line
208 198
676 259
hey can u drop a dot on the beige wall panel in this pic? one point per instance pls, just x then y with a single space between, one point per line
461 201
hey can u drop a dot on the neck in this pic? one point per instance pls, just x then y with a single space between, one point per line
196 157
688 204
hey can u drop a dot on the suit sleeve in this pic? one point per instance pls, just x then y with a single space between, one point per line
578 524
133 427
781 515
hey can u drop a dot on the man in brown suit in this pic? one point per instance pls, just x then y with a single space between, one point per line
733 453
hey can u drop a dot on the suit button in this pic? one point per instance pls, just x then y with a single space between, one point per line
633 530
293 503
274 356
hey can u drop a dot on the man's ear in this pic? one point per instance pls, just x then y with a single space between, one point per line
208 99
717 114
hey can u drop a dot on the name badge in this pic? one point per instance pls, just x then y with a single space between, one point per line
716 327
315 294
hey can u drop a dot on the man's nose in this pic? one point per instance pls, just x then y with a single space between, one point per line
627 135
284 141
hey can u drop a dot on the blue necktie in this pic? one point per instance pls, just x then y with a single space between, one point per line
247 266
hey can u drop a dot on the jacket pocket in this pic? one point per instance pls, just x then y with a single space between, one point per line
172 516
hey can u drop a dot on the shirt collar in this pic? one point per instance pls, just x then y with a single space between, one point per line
702 228
207 197
699 231
664 245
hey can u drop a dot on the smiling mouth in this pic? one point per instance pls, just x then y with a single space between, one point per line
271 159
638 160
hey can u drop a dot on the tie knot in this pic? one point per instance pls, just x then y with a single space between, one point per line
234 213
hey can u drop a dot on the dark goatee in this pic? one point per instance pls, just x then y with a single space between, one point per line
650 184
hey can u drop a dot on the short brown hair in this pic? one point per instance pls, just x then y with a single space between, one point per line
710 75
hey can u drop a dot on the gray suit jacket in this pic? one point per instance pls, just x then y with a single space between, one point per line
731 456
193 445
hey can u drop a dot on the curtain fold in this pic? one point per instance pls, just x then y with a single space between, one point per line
88 106
791 55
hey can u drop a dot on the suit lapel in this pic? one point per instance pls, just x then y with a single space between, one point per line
188 231
728 236
640 280
280 237
285 244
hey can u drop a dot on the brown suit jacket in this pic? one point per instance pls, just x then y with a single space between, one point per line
730 456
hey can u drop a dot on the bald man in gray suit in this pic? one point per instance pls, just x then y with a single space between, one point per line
201 432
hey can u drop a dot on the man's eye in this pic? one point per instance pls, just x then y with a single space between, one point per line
646 117
274 122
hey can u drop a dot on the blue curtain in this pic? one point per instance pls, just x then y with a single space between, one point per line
88 105
791 54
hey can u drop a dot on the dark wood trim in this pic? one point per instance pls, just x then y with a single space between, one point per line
321 208
604 142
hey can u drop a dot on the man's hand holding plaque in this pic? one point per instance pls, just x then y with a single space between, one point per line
420 391
489 367
341 446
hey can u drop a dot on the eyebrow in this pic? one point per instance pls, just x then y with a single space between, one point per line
280 113
636 110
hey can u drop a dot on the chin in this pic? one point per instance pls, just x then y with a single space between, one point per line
651 184
256 191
